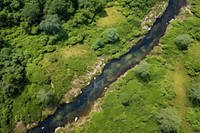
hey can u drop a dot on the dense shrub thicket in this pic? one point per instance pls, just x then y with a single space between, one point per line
168 120
183 41
194 94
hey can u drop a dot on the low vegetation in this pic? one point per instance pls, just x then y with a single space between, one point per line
146 99
45 45
168 120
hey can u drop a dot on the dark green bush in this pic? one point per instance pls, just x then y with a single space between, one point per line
31 11
64 8
168 120
183 41
98 44
47 98
194 94
142 71
110 36
51 24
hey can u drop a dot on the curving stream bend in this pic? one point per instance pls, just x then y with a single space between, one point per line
112 70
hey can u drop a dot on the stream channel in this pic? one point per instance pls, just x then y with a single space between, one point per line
81 105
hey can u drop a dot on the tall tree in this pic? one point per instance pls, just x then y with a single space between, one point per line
51 24
61 7
31 11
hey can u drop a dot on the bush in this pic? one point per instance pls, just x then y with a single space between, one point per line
168 120
47 98
98 44
31 11
61 7
183 41
110 36
194 94
51 24
142 71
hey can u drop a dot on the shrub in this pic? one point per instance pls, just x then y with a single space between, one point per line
194 94
110 36
31 11
168 120
61 7
142 71
47 98
51 24
98 44
183 41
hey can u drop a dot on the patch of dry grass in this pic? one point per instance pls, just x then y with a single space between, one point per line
113 16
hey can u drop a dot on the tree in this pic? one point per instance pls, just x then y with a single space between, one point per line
60 7
183 41
168 120
91 5
110 35
194 94
31 11
46 98
11 72
98 44
2 42
51 24
142 71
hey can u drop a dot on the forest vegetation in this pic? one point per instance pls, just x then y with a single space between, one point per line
46 44
161 94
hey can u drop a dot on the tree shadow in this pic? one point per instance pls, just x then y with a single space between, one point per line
103 13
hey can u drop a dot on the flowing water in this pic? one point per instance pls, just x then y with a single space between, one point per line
113 69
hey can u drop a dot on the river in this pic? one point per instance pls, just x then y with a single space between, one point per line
113 69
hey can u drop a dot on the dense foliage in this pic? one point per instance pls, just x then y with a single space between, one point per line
182 42
28 29
194 94
161 104
168 120
143 71
46 44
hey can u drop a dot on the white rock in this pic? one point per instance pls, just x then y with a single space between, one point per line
57 129
76 119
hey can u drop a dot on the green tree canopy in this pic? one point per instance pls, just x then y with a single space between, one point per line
168 120
61 7
46 98
194 94
31 11
51 24
110 35
183 41
91 5
11 72
142 71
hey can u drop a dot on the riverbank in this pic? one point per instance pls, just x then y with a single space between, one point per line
54 71
167 88
71 127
